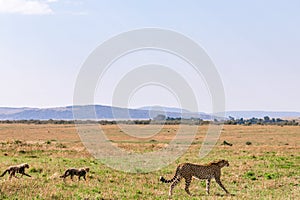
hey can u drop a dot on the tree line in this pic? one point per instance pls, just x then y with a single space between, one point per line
161 119
261 121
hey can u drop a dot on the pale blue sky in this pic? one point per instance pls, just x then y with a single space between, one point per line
255 46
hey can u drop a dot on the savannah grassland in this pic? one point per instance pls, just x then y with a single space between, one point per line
267 168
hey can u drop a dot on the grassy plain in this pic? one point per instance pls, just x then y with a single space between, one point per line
264 164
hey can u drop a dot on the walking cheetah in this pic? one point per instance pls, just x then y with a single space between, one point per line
189 170
77 172
12 170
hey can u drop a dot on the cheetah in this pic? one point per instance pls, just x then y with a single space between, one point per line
81 172
189 170
12 170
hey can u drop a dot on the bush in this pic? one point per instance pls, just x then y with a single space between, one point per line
251 175
60 145
48 142
17 142
269 176
35 170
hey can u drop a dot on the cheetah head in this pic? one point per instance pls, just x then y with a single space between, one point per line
25 165
223 163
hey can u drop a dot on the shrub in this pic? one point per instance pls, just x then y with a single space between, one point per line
270 176
17 142
250 175
60 145
48 142
35 170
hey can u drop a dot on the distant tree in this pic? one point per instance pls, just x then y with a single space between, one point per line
160 117
266 119
231 118
241 121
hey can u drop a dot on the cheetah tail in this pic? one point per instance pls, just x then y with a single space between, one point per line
162 179
65 174
4 173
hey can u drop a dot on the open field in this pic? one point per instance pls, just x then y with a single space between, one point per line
268 168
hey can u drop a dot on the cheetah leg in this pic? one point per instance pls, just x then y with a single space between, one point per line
207 185
13 174
177 180
187 185
221 185
25 174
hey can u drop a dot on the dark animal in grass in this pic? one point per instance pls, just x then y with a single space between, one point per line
81 172
226 143
13 170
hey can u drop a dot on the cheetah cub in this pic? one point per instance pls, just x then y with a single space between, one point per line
81 172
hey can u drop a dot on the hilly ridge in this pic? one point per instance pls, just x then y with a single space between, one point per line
102 112
92 112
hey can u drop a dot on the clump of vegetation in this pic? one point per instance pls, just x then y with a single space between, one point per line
248 143
60 145
251 175
17 142
36 170
48 142
22 152
270 176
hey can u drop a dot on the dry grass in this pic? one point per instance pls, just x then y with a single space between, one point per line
268 168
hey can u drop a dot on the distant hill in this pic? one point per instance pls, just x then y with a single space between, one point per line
111 113
87 112
261 114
